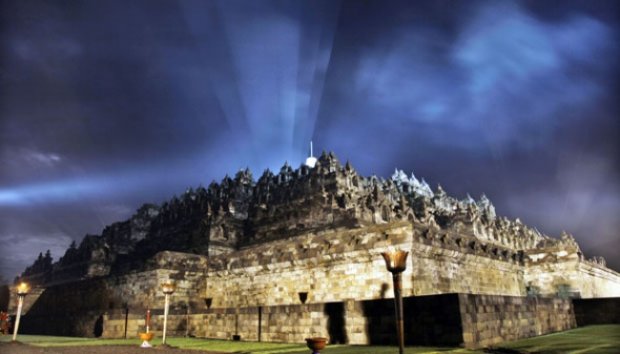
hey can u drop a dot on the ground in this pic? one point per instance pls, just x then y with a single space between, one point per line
9 348
603 339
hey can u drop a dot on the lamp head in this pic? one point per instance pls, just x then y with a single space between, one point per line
168 288
23 289
395 261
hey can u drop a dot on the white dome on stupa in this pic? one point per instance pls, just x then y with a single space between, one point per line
311 160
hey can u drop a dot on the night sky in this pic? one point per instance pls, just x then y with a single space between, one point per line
106 105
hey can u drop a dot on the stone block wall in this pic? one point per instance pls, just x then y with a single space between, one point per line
597 311
597 281
346 264
285 323
78 308
489 319
444 262
114 324
438 271
72 309
449 319
572 277
428 320
328 266
255 291
220 324
142 290
353 322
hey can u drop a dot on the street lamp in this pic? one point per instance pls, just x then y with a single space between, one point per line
167 289
396 263
22 291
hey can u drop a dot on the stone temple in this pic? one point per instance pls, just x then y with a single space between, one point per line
297 254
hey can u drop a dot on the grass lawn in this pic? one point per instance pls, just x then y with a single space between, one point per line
230 346
604 339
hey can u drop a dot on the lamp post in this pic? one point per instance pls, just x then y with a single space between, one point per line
167 289
147 336
148 320
22 291
396 263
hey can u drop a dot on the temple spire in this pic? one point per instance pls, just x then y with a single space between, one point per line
311 160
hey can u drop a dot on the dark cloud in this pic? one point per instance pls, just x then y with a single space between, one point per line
106 105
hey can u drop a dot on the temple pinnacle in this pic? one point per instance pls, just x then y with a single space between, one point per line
311 160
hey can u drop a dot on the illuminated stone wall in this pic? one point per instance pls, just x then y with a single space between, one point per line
143 289
340 265
570 276
595 281
329 267
443 264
